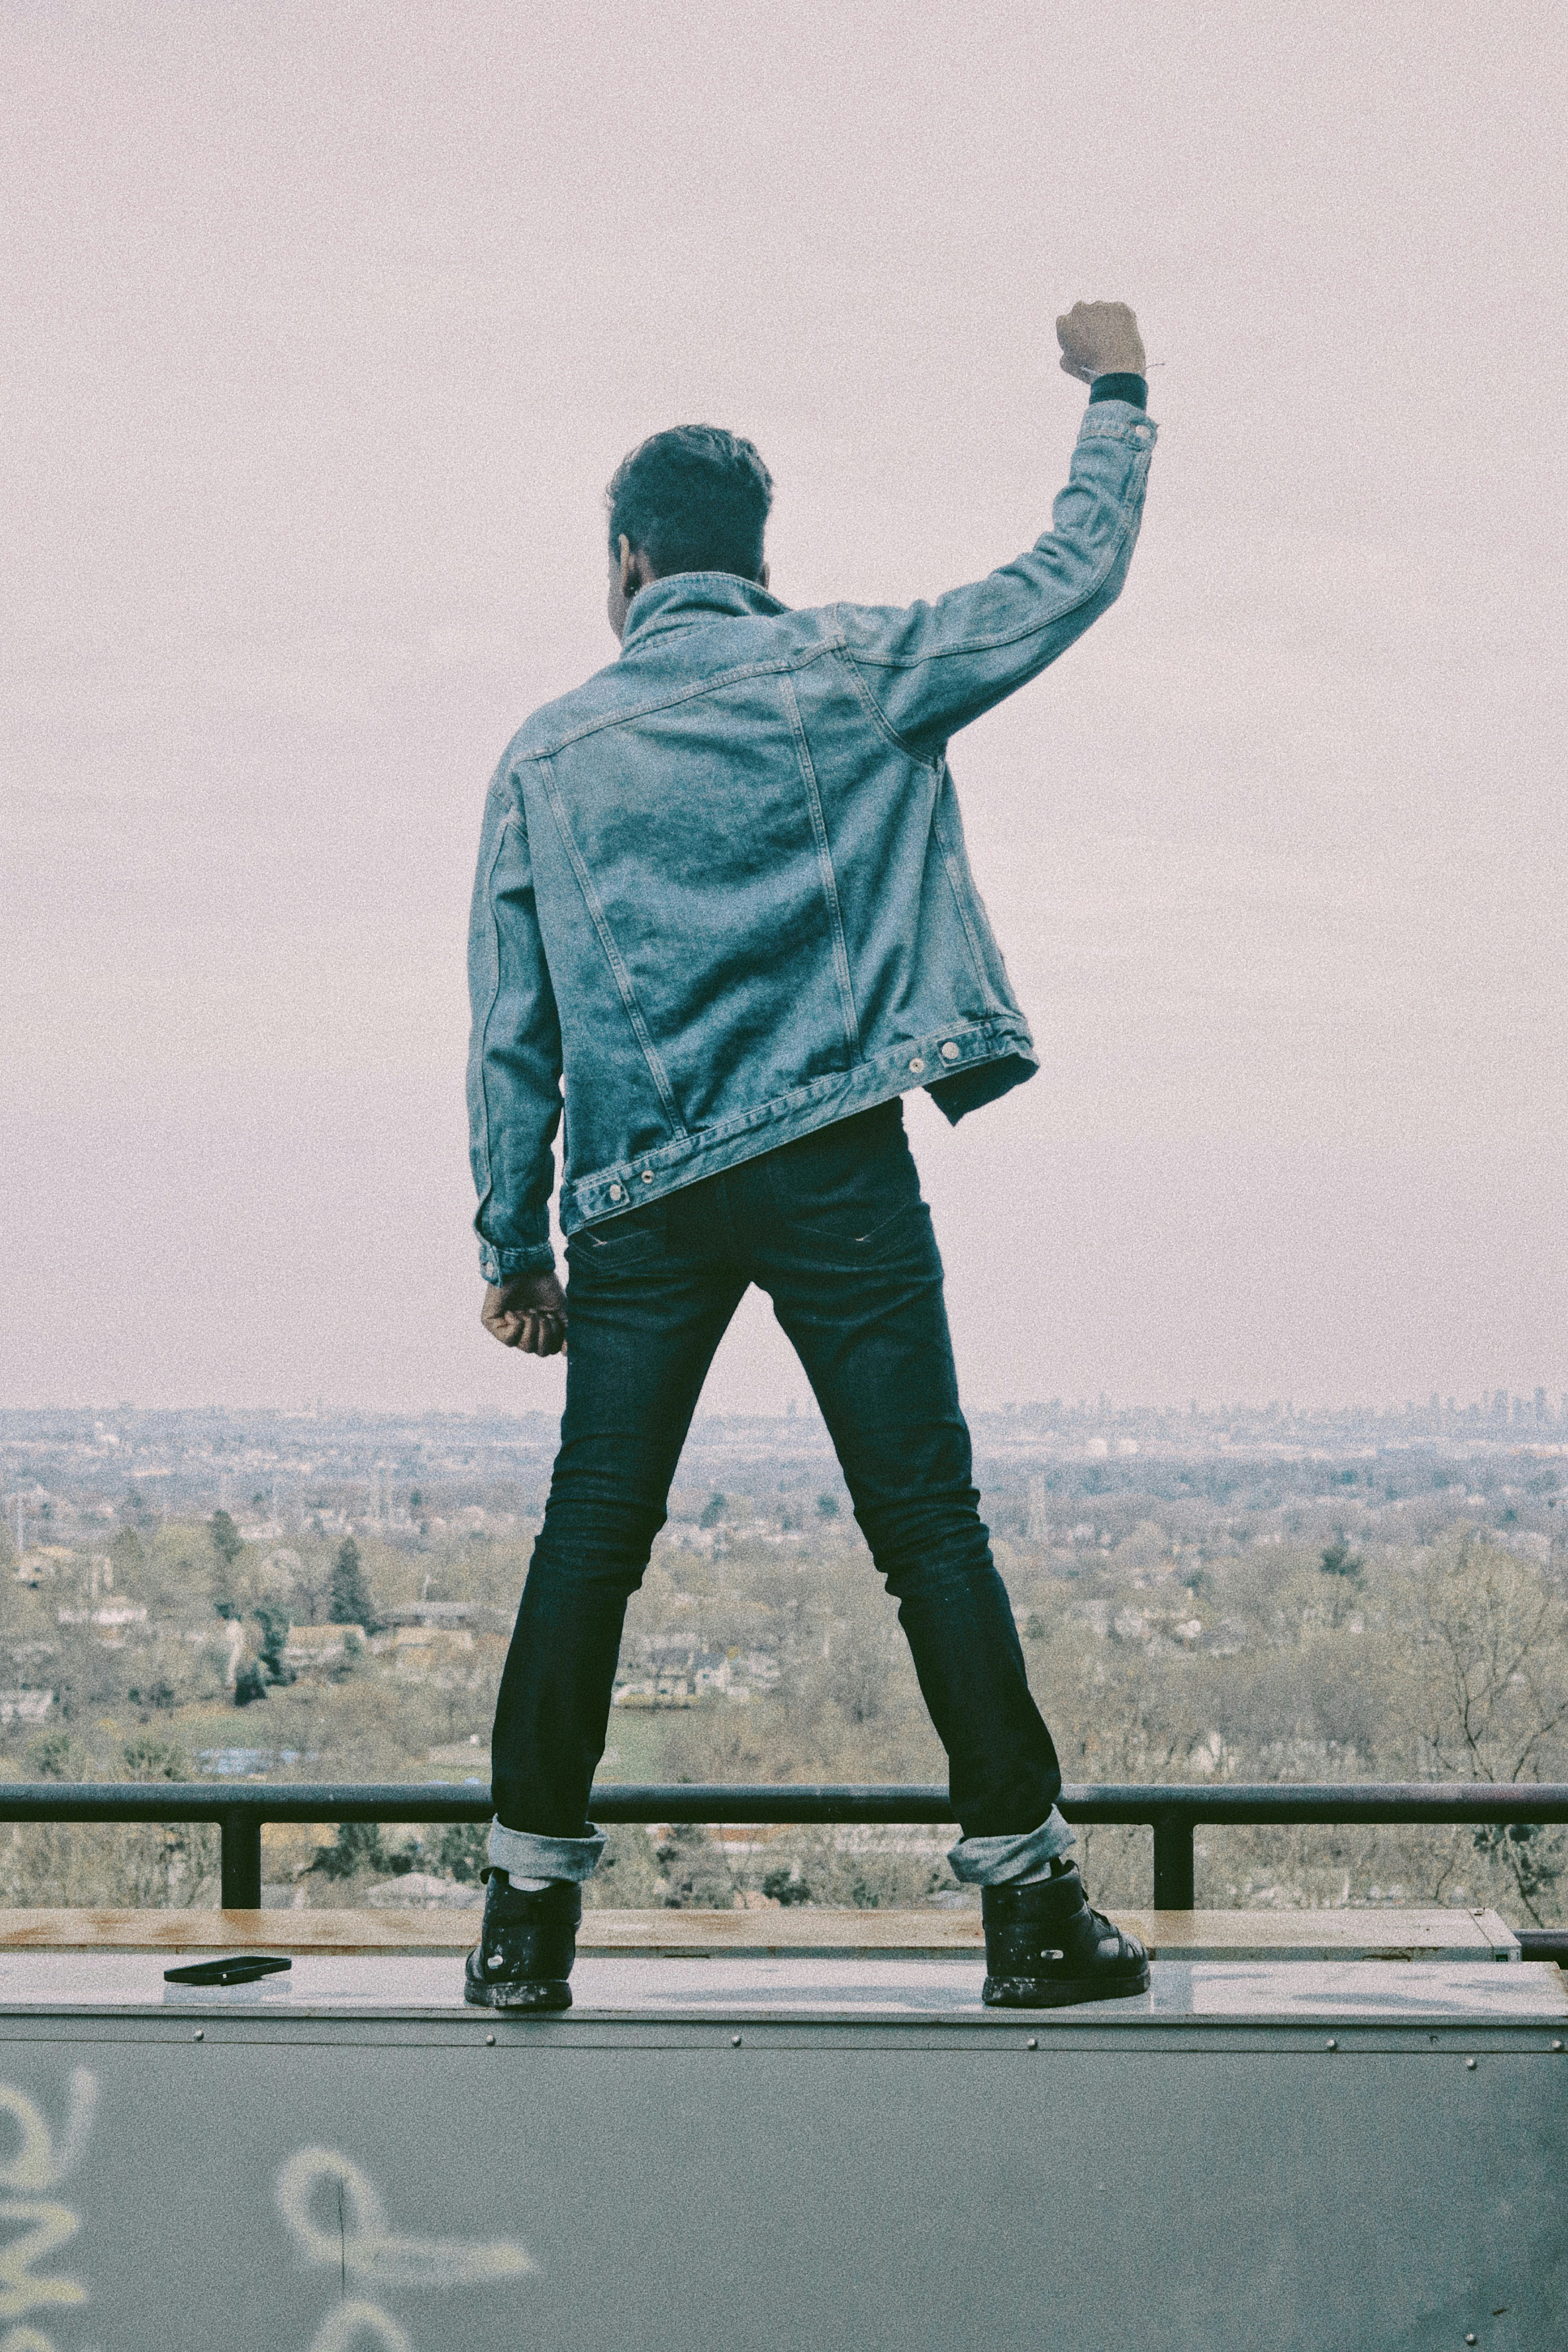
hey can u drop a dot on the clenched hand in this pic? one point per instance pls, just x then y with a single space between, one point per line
528 1312
1101 339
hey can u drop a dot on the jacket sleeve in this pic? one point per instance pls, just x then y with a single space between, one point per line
931 668
514 1049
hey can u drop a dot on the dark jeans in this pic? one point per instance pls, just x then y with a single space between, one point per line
834 1229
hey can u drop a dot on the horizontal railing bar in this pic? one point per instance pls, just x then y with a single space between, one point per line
1278 1803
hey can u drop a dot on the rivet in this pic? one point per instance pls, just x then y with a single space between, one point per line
1331 2044
917 1065
1471 2063
489 2042
647 1175
1470 2335
1032 2043
1557 2045
734 2040
200 2036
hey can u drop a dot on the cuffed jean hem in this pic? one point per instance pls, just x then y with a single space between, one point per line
989 1862
523 1854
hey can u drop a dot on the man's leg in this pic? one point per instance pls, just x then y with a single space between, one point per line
644 1320
842 1241
844 1244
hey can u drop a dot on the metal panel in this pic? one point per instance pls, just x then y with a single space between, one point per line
703 2158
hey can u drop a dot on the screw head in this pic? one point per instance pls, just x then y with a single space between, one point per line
1557 2045
198 2035
489 2042
734 2040
1471 2066
1033 2042
1470 2336
1331 2044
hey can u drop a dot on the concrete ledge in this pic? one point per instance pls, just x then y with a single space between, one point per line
1340 1935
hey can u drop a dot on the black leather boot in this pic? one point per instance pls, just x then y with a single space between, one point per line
1045 1949
526 1947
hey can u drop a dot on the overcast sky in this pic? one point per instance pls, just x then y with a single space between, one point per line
326 326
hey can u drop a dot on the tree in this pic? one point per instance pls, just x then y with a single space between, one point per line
228 1541
352 1603
127 1552
358 1846
251 1684
1492 1703
1338 1559
274 1624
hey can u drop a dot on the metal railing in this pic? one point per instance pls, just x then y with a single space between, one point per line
1173 1812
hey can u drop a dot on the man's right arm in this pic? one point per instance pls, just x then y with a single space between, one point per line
933 667
514 1052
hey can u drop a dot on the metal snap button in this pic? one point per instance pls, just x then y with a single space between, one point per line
615 1191
950 1052
917 1065
647 1175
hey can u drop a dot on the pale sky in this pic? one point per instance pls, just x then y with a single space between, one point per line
325 327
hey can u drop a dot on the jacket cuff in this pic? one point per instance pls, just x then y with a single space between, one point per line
1129 387
498 1265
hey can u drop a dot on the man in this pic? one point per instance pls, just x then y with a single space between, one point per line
723 905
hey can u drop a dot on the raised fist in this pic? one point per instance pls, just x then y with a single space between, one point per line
1101 339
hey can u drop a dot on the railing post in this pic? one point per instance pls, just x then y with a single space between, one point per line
1173 1861
241 1881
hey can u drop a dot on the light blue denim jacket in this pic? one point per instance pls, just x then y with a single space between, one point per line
723 896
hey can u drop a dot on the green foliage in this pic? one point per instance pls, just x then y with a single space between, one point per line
147 1757
714 1510
695 1873
786 1886
360 1846
352 1603
828 1507
251 1684
53 1757
156 1691
127 1553
1338 1560
274 1624
226 1540
461 1850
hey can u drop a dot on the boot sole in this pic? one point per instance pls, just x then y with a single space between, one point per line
1066 1992
530 1993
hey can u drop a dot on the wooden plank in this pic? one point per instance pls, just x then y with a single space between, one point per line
1171 1935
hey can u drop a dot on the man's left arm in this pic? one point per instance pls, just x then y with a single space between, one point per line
514 1085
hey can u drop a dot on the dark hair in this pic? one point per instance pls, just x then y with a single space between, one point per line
693 500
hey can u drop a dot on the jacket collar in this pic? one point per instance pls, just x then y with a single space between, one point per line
685 599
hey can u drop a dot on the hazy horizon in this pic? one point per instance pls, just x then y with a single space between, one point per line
326 328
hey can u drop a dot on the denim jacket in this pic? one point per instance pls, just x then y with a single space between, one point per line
723 896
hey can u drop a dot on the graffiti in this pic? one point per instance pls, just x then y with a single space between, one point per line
338 2221
332 2209
38 2163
